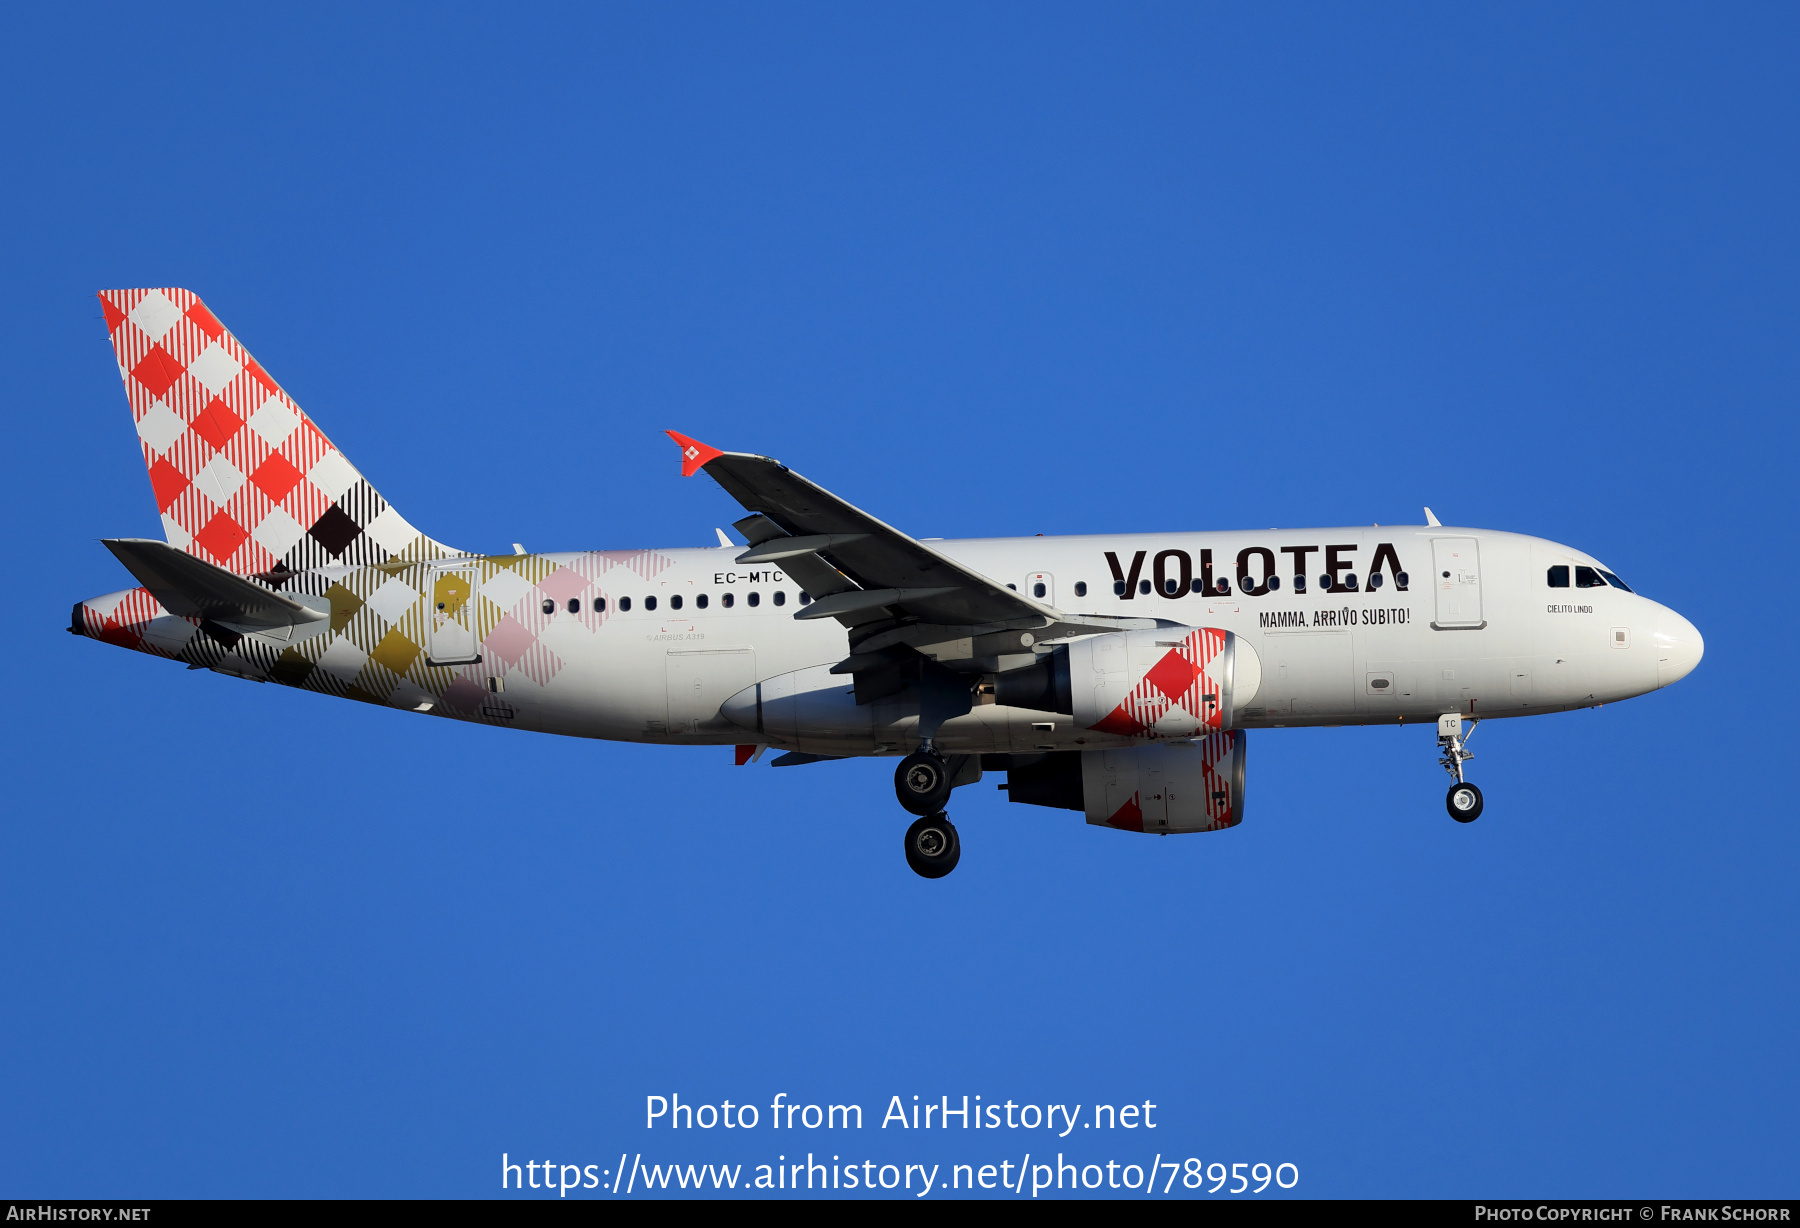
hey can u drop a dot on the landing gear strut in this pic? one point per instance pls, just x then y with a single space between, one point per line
932 847
1464 799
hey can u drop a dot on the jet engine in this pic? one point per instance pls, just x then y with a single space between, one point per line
1174 682
1167 787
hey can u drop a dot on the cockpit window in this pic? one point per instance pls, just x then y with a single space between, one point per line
1616 582
1587 577
1558 576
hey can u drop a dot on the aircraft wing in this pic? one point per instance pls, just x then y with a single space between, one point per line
888 588
194 588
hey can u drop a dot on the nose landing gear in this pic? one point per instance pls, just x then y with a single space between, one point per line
1464 799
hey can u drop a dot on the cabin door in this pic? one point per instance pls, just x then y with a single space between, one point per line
1456 579
452 625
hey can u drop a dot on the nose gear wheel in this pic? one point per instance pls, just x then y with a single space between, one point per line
1464 799
1463 802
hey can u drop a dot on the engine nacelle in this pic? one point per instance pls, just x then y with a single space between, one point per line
1175 682
1167 787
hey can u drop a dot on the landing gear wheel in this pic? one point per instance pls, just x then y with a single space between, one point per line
922 783
932 846
1463 802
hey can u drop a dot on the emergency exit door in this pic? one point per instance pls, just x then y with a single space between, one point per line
1456 578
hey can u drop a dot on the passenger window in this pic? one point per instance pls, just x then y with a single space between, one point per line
549 606
1299 584
649 603
574 605
1616 582
1198 587
700 602
1081 588
1013 587
1118 588
1144 587
1587 577
728 599
1038 589
805 597
599 605
1375 580
1171 587
624 605
1558 576
754 598
675 602
780 597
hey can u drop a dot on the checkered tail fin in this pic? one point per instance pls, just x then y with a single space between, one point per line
242 477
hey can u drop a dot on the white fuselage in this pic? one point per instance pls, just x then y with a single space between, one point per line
1492 638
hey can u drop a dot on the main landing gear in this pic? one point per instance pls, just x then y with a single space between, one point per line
1464 799
932 847
923 782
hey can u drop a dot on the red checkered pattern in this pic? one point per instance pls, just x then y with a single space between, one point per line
1215 754
125 618
1222 808
1172 699
242 477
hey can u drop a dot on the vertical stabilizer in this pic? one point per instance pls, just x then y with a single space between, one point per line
242 477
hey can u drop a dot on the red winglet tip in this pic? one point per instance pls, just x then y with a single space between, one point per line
694 454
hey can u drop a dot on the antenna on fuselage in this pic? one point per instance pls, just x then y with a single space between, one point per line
1432 520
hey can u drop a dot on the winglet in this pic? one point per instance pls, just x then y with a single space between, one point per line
694 454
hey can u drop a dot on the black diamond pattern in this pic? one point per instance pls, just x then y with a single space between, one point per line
334 530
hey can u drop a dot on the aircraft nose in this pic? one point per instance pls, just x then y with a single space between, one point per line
1678 647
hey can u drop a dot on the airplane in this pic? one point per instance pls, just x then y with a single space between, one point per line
1116 675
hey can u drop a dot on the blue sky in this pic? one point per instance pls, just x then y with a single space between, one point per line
1010 269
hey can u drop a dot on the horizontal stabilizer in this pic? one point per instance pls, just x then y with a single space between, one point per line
192 588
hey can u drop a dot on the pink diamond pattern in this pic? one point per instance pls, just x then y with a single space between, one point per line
510 639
